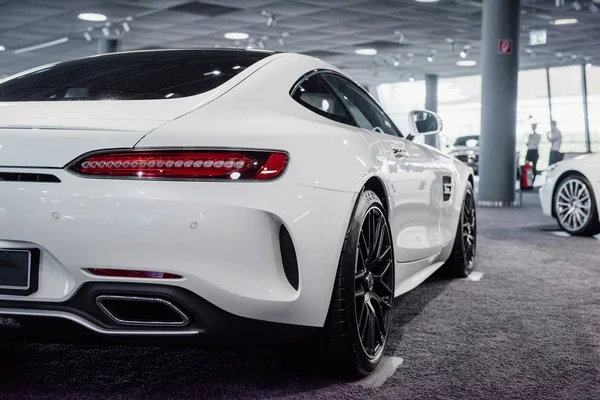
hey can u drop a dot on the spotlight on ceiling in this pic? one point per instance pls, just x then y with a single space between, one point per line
94 17
594 8
577 5
2 48
451 43
465 51
588 65
466 63
87 36
411 78
126 26
565 21
431 56
366 52
270 18
396 62
106 31
573 56
236 36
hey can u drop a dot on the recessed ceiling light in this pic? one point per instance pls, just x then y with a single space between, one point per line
466 63
236 36
565 21
2 48
366 52
94 17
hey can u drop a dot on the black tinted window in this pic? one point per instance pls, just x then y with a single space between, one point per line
316 95
366 112
131 76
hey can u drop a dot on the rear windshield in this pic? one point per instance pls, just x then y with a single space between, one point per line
130 76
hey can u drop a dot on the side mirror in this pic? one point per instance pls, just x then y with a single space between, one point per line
423 122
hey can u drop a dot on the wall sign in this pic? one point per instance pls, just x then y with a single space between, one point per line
538 37
505 46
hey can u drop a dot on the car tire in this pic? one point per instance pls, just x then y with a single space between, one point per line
358 324
461 262
569 190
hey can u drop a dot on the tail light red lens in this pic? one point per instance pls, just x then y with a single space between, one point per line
186 164
125 273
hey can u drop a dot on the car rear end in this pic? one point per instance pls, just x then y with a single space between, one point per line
101 235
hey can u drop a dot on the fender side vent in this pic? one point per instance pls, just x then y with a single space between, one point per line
288 257
21 177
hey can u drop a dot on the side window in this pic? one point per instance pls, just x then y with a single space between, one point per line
316 95
366 112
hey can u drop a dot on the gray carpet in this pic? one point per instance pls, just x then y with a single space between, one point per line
530 329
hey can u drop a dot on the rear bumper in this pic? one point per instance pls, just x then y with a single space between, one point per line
221 237
79 319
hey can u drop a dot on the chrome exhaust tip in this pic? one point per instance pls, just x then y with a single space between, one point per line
141 311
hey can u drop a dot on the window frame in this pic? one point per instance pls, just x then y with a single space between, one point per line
316 110
324 71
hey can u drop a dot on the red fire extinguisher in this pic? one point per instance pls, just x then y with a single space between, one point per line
527 176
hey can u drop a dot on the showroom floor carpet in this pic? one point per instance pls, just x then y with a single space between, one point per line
529 329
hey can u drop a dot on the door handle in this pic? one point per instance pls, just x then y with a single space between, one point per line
400 153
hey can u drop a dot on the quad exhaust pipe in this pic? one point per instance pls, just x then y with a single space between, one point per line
141 311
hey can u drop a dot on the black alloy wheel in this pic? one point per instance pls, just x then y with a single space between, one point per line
461 262
469 228
358 324
373 282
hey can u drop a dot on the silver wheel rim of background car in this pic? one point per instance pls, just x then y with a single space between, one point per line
374 282
469 228
573 204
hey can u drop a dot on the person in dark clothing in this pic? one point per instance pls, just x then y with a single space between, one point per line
533 144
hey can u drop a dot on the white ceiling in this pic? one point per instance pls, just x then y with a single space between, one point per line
328 29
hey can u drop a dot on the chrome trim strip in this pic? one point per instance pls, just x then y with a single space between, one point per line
184 319
93 327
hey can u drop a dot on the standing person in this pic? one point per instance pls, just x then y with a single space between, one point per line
533 144
555 137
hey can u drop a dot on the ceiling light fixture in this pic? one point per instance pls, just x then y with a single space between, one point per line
126 27
565 21
270 18
465 51
450 42
106 31
431 56
366 52
577 5
94 17
466 63
2 48
236 36
411 78
427 1
594 8
87 36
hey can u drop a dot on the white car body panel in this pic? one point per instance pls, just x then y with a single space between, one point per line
588 165
232 258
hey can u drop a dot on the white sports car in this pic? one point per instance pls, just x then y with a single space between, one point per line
569 194
219 196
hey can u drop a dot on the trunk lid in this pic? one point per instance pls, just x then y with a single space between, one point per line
51 134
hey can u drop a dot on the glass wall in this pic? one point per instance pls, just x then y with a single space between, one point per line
567 107
593 88
459 105
532 107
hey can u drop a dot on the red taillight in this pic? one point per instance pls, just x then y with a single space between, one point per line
185 164
125 273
